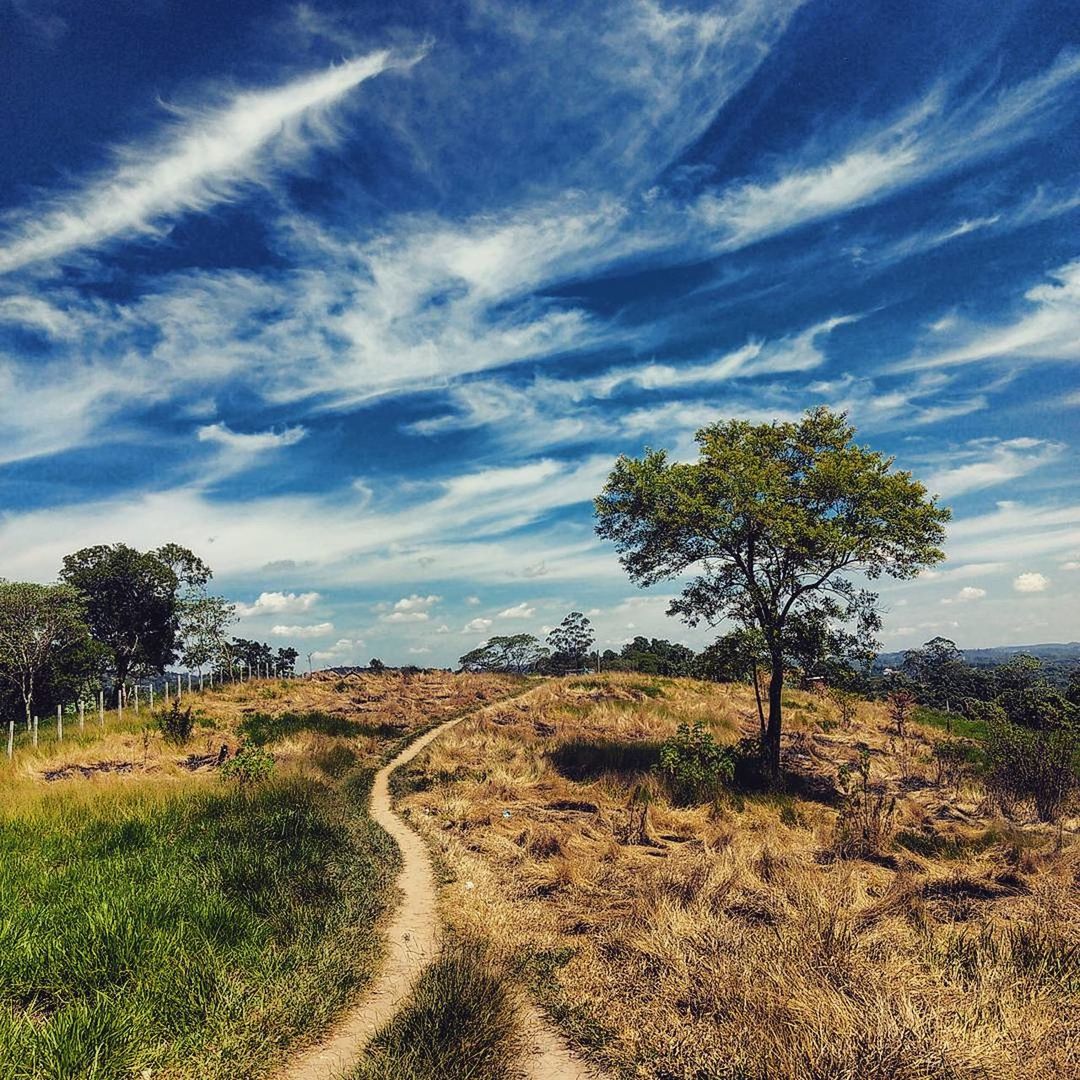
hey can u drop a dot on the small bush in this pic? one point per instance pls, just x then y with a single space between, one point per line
695 764
1040 768
250 765
846 703
176 723
864 827
955 759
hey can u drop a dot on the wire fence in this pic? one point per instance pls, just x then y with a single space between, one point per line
133 701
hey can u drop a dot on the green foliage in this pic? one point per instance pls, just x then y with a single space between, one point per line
773 518
45 645
376 666
1033 767
132 600
517 653
191 935
694 764
176 723
570 642
203 621
460 1021
651 657
251 765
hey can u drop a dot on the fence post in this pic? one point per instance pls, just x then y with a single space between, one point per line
136 699
10 739
120 704
179 690
35 730
82 715
60 723
166 689
101 707
151 697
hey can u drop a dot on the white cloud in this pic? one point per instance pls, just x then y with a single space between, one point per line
1031 582
967 594
202 160
416 603
418 650
1047 330
405 617
476 626
252 442
312 631
995 462
518 611
344 649
278 603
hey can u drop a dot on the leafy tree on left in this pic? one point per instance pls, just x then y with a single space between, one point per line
133 601
45 645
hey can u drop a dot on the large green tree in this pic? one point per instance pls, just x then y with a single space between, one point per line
518 653
132 600
771 521
44 638
570 643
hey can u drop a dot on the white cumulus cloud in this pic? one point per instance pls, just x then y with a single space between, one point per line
1031 582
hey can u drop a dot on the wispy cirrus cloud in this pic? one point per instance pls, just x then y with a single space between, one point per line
987 463
203 159
1048 329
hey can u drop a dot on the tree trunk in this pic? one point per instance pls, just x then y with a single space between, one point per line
772 732
757 698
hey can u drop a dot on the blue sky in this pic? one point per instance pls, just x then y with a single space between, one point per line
361 300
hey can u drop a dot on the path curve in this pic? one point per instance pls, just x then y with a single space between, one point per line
412 941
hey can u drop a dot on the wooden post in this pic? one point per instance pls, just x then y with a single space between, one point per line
151 697
82 715
10 739
166 689
60 723
35 731
101 707
120 705
179 690
136 699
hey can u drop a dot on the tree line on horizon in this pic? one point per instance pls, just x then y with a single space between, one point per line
117 614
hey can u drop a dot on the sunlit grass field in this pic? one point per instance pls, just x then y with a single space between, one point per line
172 923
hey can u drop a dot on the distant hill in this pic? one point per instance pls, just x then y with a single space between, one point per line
999 654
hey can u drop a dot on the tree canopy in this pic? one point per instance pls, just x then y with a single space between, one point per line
132 600
518 653
772 520
44 639
570 643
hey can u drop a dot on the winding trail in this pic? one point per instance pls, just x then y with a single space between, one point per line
412 941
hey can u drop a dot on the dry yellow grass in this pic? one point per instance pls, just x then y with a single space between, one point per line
364 714
731 943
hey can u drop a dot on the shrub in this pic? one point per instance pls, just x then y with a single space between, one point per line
955 759
250 765
1033 767
847 705
865 823
901 704
695 764
176 723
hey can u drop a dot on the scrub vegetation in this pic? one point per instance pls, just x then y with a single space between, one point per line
876 916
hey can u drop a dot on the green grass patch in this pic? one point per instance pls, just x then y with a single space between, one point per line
263 729
459 1023
191 935
951 722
